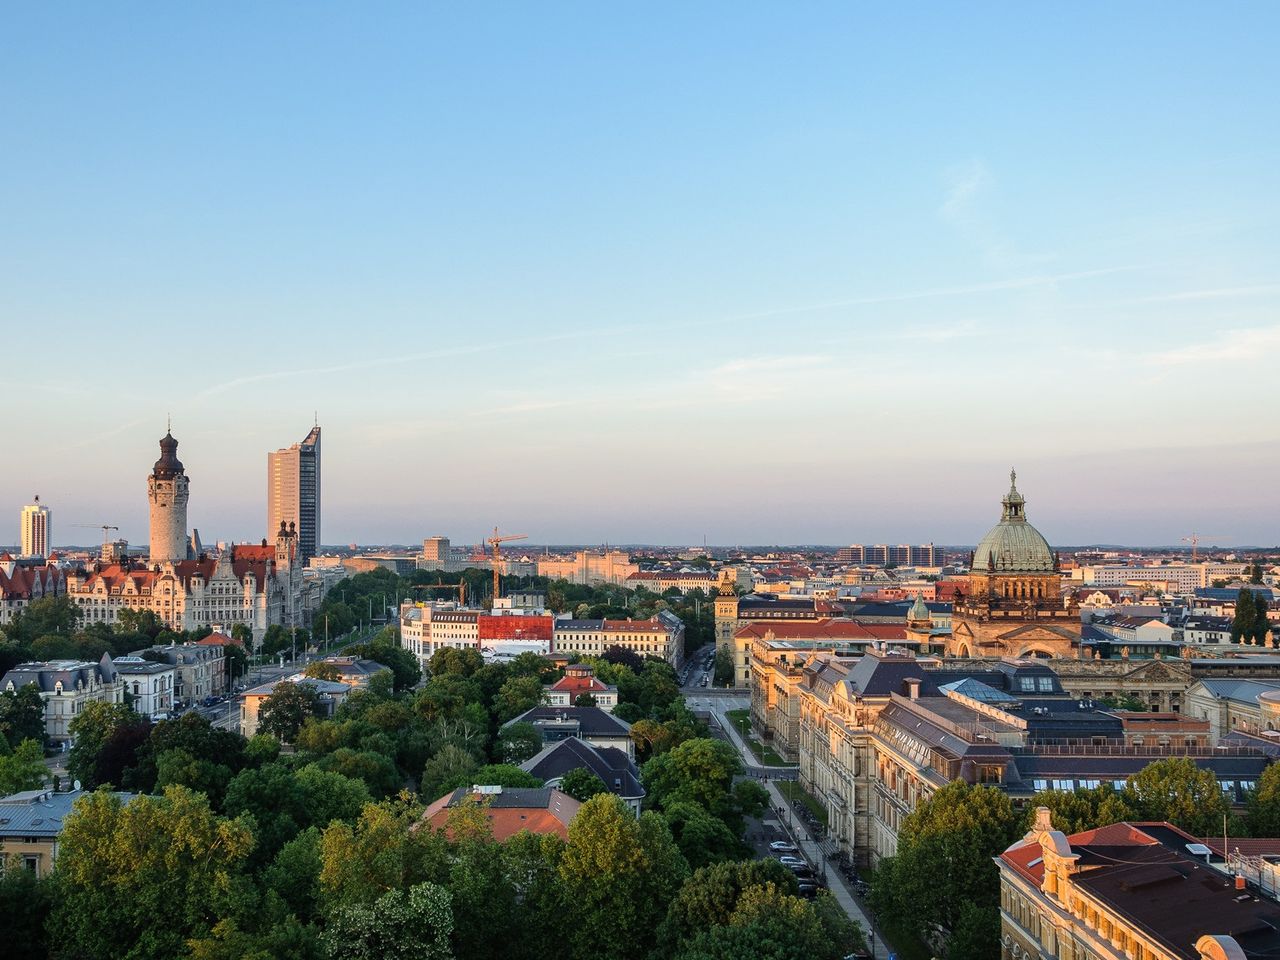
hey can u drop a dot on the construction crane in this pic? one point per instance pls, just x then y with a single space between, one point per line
1195 538
497 554
104 527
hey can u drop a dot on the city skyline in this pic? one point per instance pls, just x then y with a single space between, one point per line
741 276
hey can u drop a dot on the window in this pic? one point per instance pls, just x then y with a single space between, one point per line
1027 683
1046 684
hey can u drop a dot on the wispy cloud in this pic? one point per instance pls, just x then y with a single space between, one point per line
1254 343
965 183
1218 293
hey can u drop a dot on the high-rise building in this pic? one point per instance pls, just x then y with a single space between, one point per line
37 529
293 492
901 555
167 492
435 552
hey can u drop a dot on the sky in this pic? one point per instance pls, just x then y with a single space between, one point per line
759 273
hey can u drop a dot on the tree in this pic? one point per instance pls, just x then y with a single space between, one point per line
582 784
106 739
585 699
237 661
723 671
320 670
709 897
22 715
619 875
177 767
47 615
1255 573
143 878
451 660
768 923
1250 622
1176 790
384 850
283 713
517 695
23 768
1081 810
412 925
450 766
25 904
388 652
1263 816
944 863
517 742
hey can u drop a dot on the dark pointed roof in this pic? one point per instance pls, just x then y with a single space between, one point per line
168 466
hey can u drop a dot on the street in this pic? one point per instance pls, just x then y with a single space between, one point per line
782 822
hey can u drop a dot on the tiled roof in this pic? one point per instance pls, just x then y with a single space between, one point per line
539 810
614 768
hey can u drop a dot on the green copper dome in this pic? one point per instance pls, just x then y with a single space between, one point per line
1013 545
918 611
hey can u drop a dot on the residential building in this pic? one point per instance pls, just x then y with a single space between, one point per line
200 669
616 770
580 680
168 490
1182 578
293 492
36 530
1013 604
509 810
21 583
30 826
589 567
66 686
331 695
148 686
660 636
1127 891
684 581
590 724
901 555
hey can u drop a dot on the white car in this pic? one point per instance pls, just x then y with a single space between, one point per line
782 846
792 862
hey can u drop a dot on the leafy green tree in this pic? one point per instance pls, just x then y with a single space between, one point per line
22 715
131 620
517 742
702 772
944 863
294 874
1250 623
23 768
268 935
409 925
284 711
1263 808
179 768
25 904
388 652
582 784
585 700
1080 810
518 694
452 765
769 923
709 897
619 875
106 740
376 770
723 671
47 615
384 850
140 880
320 670
450 660
1176 790
242 633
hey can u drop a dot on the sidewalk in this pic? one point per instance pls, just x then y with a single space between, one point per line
809 846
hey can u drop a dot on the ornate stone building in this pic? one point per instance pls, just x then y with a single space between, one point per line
167 492
1013 604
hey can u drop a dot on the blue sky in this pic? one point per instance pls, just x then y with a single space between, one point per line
759 272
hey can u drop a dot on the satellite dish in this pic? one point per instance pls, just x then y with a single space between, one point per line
76 785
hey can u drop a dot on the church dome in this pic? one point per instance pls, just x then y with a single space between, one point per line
1013 545
918 612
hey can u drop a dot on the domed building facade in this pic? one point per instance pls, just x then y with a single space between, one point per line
1013 605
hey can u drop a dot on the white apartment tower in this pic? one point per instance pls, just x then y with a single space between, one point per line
37 529
167 493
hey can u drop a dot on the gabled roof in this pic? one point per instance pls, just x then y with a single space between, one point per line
615 769
511 810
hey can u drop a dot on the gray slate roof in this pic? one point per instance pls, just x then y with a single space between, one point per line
39 813
610 764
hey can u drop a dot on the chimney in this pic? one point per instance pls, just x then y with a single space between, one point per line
913 688
1240 884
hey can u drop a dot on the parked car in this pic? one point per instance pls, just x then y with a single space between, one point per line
809 890
792 862
782 846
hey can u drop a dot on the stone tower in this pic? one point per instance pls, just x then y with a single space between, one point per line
167 494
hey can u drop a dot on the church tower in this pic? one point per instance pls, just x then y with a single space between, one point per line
167 494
